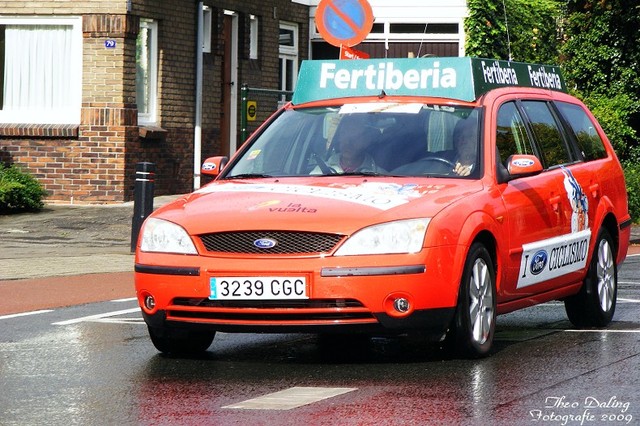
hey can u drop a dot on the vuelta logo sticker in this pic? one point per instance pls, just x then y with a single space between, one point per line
538 262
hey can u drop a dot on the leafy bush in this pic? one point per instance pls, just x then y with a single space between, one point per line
19 191
632 176
614 113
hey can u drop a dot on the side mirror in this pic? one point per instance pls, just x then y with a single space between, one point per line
523 165
212 166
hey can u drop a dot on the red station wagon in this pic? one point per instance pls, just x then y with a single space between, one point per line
395 196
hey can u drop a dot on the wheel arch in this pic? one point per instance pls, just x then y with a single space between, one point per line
606 219
484 229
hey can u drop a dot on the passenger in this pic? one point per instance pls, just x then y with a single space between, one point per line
352 140
465 141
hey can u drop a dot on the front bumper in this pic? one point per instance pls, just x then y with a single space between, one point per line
348 296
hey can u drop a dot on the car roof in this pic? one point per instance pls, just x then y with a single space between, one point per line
449 78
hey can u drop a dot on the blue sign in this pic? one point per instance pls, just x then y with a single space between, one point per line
110 44
344 22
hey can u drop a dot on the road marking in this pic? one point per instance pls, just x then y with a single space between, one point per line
290 398
120 320
622 299
603 331
24 314
128 299
98 316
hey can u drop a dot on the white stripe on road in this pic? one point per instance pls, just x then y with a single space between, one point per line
95 317
120 320
603 331
290 398
622 299
24 314
128 299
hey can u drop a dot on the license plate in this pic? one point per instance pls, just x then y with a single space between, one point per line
258 288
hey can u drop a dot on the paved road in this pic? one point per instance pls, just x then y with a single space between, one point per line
75 362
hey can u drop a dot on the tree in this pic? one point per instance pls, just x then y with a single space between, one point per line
519 30
601 58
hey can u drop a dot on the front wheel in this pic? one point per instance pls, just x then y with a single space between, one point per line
595 304
191 343
471 334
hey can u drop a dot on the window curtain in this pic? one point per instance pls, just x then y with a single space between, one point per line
37 67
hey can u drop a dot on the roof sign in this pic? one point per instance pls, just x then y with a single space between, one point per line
463 78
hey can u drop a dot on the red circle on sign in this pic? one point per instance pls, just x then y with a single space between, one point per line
344 22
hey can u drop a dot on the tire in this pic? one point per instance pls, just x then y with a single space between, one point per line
595 304
191 343
471 334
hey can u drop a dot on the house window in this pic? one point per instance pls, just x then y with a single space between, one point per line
40 70
253 37
147 71
206 29
288 55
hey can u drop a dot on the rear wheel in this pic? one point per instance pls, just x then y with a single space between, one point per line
595 304
471 334
190 343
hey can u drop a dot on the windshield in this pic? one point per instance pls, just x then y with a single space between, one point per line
365 139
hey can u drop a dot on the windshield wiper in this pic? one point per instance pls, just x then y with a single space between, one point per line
248 176
363 173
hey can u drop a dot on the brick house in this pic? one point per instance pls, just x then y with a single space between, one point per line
126 81
123 86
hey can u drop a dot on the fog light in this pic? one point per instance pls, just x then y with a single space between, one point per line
149 302
401 305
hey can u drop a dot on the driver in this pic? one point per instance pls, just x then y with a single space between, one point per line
465 137
353 139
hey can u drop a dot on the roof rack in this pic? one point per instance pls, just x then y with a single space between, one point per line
462 78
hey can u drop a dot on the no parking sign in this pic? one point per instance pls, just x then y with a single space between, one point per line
344 22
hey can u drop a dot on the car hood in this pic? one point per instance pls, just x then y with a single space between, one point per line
333 206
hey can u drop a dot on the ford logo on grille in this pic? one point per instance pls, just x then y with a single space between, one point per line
538 262
265 243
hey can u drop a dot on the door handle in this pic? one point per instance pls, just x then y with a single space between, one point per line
555 203
595 190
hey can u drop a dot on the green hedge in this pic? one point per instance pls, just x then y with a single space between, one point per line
632 176
19 191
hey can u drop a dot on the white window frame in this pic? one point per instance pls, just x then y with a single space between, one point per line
150 116
289 53
254 27
65 115
206 29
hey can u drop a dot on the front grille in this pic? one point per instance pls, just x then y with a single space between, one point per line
270 304
316 311
287 242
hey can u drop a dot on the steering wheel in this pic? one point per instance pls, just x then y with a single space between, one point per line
324 167
439 160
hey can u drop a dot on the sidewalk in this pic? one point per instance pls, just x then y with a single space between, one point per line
68 240
65 240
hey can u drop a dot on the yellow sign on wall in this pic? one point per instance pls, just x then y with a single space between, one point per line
252 110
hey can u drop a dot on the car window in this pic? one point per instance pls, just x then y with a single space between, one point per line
589 141
374 138
547 134
511 135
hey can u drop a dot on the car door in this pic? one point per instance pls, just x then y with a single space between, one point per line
532 204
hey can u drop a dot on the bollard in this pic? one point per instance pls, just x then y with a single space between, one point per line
142 198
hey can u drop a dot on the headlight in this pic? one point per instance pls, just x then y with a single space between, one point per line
162 236
403 236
